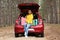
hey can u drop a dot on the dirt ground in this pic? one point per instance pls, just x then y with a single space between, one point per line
51 32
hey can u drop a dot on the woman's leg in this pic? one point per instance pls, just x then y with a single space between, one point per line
28 25
25 26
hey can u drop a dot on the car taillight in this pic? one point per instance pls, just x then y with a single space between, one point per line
40 21
17 21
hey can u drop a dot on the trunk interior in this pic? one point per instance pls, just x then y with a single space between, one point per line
35 18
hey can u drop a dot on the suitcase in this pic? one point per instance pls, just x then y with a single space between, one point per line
35 22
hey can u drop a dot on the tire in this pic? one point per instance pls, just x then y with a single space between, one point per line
42 34
16 35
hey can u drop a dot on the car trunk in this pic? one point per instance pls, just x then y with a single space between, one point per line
26 6
29 6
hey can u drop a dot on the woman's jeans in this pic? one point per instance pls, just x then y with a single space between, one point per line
26 27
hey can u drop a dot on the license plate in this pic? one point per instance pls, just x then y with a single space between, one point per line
31 29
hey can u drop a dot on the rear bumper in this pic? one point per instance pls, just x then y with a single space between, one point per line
37 29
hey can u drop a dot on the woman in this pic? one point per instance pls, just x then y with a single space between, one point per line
29 19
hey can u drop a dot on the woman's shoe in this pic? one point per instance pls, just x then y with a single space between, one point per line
26 36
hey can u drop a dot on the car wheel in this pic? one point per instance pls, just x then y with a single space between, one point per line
37 35
16 35
42 34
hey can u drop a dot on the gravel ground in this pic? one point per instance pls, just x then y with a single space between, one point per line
51 32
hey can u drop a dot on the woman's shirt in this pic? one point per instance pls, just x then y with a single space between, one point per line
29 18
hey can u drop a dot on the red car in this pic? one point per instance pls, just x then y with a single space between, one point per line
37 29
